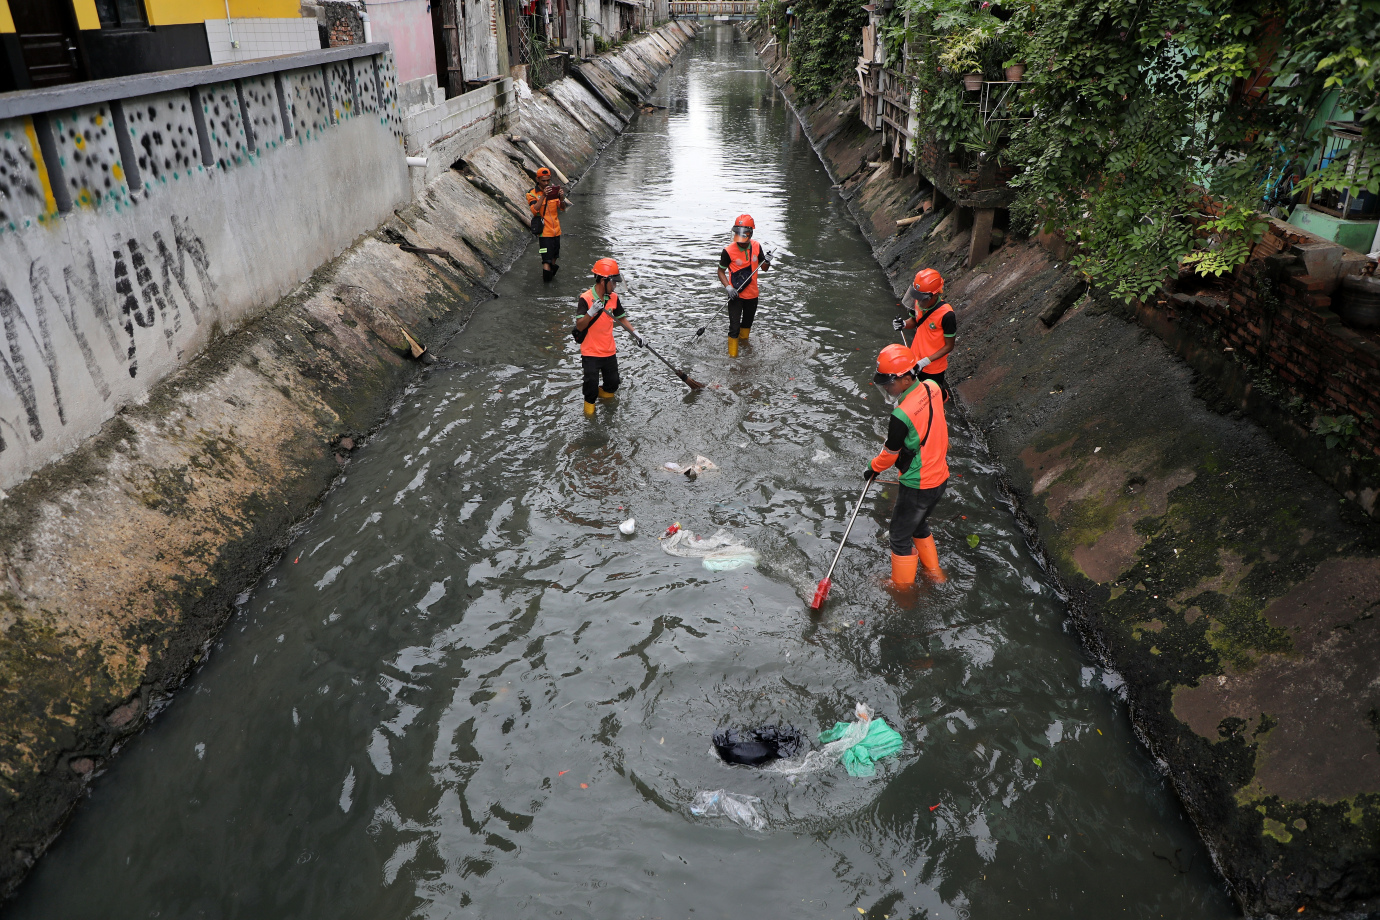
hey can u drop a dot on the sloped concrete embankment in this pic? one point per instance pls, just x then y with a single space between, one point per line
122 560
1235 591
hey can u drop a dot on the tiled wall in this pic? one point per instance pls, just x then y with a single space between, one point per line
260 38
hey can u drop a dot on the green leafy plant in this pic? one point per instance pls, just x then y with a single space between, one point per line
824 47
984 139
1231 236
1337 430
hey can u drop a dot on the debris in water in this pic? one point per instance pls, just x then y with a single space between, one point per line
628 526
673 529
745 810
563 773
932 808
584 785
1036 761
753 747
719 552
702 464
973 540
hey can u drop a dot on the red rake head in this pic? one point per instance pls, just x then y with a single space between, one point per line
821 594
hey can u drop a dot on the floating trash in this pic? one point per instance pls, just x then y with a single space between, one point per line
752 747
744 810
720 552
628 526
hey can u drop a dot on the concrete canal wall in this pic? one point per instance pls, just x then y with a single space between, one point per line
145 215
120 560
1235 591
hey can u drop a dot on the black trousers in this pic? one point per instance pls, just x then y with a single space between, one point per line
913 507
549 248
939 379
741 312
593 367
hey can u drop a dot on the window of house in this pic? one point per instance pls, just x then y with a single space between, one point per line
122 14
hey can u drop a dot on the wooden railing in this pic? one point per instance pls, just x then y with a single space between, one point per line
738 9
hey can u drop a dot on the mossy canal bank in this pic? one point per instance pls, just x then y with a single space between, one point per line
1234 590
123 560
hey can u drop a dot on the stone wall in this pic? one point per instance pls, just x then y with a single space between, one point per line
1276 313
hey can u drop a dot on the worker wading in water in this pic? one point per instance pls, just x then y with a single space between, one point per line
935 326
917 443
739 264
547 201
598 310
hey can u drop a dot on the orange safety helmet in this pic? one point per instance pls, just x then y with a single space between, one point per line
928 281
543 173
607 268
894 361
743 226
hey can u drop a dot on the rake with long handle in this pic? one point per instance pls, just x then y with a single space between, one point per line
685 378
822 592
767 257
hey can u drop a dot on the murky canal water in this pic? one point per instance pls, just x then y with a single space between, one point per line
464 694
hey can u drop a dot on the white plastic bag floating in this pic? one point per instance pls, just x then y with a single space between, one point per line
829 755
743 810
701 465
718 553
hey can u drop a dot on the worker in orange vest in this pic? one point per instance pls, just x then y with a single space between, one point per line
598 310
739 264
935 326
917 444
547 201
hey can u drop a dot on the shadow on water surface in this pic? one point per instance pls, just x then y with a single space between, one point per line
465 693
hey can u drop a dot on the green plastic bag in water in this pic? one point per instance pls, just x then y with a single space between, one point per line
880 741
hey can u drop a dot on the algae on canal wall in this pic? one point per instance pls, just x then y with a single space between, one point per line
122 560
1234 590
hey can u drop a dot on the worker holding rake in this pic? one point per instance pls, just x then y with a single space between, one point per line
917 444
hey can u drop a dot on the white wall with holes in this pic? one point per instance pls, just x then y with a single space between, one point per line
259 38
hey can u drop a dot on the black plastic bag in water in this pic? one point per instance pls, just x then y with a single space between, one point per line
753 747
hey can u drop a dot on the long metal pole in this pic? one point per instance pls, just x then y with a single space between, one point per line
858 507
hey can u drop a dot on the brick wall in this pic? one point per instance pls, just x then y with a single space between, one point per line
1275 314
341 22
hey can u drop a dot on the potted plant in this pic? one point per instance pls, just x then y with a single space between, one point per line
1015 72
965 46
984 139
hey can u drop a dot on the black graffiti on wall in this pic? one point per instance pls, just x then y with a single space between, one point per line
148 284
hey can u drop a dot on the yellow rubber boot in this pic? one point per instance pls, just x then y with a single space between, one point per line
743 333
589 410
733 346
903 570
605 394
928 554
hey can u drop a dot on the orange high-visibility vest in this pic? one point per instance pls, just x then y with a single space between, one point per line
741 265
598 341
929 338
922 408
551 220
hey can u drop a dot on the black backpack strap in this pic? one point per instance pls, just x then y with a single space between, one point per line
929 402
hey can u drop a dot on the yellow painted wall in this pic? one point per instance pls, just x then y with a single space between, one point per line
6 20
87 18
174 12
